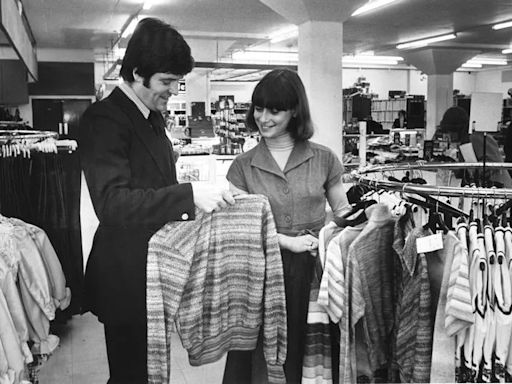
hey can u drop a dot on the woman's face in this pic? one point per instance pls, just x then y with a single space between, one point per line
272 123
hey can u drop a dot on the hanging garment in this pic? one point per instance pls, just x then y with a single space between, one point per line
459 311
443 347
317 367
319 348
413 311
220 278
490 316
508 252
478 277
10 341
503 306
344 240
370 269
15 306
57 281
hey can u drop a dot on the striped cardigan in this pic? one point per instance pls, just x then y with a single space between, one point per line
219 279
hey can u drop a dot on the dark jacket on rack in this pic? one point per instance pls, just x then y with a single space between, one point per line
131 175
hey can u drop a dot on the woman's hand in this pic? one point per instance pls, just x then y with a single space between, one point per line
298 244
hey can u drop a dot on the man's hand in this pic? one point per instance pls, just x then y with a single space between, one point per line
208 197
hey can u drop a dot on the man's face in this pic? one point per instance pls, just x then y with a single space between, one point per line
156 94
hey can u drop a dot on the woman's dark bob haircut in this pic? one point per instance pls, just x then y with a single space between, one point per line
154 47
282 89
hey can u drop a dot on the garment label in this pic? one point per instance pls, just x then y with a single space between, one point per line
429 243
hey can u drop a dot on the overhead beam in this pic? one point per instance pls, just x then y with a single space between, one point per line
11 23
215 65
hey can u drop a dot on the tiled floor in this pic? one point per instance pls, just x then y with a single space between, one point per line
81 358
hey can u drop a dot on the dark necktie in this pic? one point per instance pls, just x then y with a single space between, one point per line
157 122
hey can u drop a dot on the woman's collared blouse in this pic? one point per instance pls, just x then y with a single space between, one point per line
297 194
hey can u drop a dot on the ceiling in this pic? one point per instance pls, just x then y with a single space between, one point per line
215 28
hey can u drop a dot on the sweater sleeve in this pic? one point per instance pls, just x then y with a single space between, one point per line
274 317
168 270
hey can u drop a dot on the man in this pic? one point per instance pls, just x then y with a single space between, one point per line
130 171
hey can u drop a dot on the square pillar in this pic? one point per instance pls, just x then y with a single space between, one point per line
320 68
439 99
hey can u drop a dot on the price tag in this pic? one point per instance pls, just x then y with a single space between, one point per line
429 243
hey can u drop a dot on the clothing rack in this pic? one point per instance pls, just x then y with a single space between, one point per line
15 143
24 135
364 177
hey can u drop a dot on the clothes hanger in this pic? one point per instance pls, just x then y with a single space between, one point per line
343 221
435 221
462 219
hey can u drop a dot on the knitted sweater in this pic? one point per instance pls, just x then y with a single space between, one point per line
370 269
220 279
413 315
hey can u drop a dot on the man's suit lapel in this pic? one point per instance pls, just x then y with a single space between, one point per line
156 146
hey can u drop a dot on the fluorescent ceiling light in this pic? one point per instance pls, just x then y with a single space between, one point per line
505 51
265 56
371 5
487 61
506 24
293 57
284 34
425 42
370 59
470 64
130 28
147 4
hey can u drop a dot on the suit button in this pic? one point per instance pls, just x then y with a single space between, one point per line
286 190
184 216
288 219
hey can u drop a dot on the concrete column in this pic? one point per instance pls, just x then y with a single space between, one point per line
198 90
439 99
320 53
439 64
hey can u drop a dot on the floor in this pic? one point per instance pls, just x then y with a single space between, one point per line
81 358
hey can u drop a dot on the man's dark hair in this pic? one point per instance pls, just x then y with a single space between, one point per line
155 46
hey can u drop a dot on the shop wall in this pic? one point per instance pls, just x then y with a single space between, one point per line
241 91
494 81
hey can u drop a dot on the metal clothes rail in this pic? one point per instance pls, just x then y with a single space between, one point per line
363 176
25 136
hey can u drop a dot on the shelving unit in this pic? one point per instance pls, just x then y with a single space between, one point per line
386 111
178 110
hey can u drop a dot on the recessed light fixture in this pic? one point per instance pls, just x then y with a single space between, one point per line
371 5
506 24
425 42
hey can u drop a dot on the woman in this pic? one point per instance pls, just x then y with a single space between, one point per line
297 176
455 122
401 120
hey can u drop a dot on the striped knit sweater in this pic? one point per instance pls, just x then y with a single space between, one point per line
219 279
414 327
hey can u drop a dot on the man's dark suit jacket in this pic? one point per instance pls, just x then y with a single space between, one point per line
131 176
